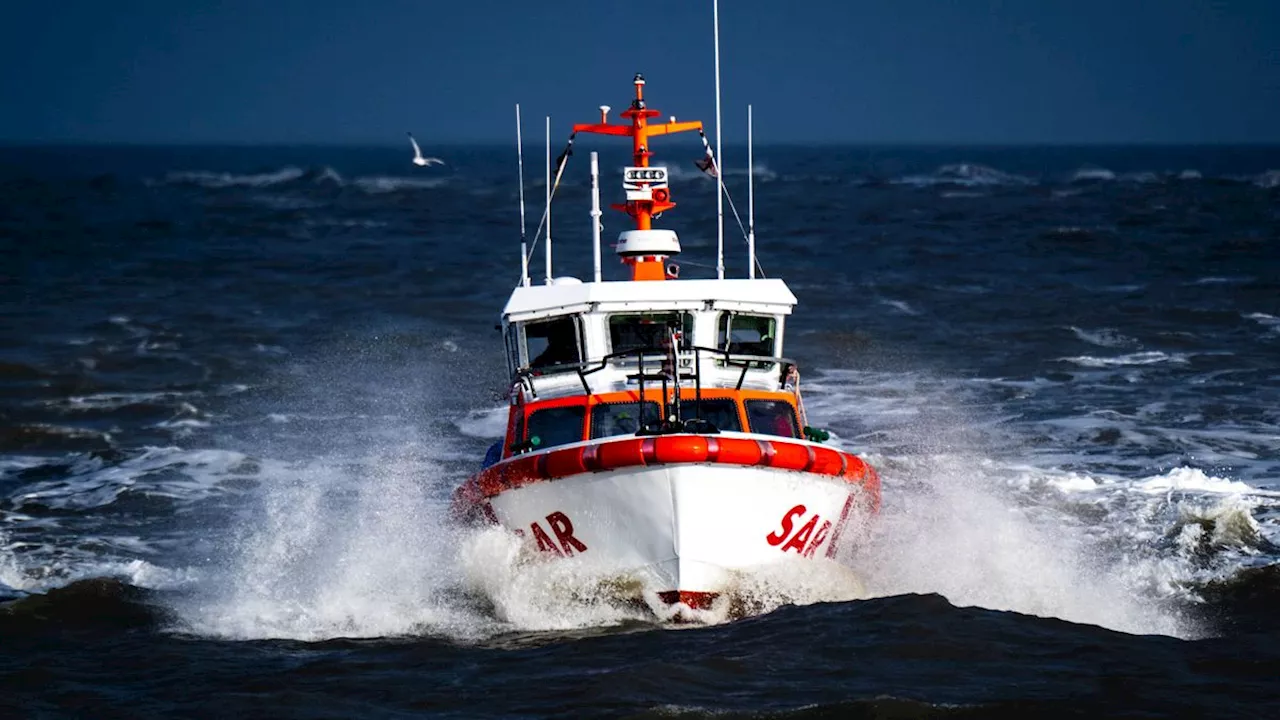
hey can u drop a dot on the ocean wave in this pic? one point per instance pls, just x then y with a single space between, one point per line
1133 359
1271 322
967 175
48 437
1141 177
380 184
210 179
1222 280
1104 337
1191 479
1269 179
92 482
287 175
1091 174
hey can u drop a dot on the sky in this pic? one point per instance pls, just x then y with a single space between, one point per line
815 71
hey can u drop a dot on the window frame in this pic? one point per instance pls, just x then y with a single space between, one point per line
687 327
687 404
526 362
528 422
792 416
725 327
643 404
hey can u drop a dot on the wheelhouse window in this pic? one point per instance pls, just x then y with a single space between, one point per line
513 347
723 413
556 426
609 419
772 417
747 334
553 343
633 331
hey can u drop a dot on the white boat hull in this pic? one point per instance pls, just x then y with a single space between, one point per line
682 531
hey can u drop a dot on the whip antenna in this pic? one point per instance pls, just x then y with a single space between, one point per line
524 250
751 202
548 210
719 175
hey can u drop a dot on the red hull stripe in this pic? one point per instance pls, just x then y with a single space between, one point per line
693 598
780 454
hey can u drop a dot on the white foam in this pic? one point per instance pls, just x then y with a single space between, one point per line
1220 280
111 401
530 592
1092 174
184 475
1132 359
900 305
384 184
489 424
1271 322
11 576
966 516
334 550
1268 179
1190 479
208 179
953 533
965 174
1104 337
13 464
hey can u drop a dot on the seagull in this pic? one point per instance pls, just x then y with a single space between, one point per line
417 155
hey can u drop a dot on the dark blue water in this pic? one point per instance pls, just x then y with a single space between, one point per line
237 386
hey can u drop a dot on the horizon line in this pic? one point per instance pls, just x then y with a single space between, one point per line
248 144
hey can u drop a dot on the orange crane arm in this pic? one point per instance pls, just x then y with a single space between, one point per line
673 127
604 129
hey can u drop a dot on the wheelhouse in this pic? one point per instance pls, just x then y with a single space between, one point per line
590 361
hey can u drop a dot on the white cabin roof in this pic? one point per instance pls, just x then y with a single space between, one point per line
537 301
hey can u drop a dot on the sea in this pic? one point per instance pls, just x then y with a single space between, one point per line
238 385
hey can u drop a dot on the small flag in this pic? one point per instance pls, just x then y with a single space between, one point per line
706 165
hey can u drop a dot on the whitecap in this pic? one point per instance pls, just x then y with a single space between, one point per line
900 305
1140 358
1091 174
966 174
1219 280
1103 337
1271 322
1269 179
216 180
184 475
383 184
1186 479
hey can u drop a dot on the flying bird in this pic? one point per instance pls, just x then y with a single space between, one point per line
417 155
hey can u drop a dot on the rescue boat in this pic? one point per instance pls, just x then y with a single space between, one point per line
655 428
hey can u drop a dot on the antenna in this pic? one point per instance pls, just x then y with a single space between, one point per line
548 210
751 202
715 9
524 250
595 210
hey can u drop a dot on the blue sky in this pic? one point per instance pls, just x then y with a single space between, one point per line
857 71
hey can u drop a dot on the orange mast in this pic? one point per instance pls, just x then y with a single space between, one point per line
659 200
